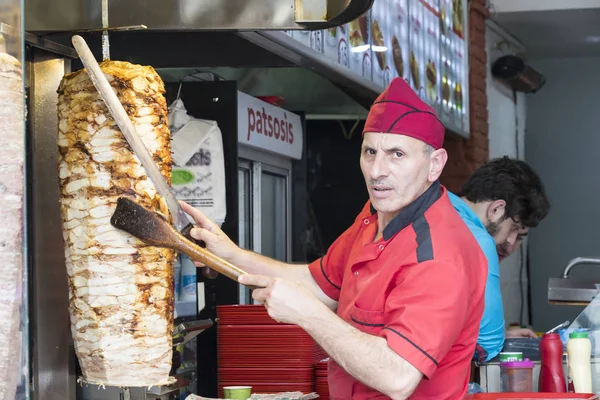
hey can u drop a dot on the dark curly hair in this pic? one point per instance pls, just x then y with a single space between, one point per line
513 181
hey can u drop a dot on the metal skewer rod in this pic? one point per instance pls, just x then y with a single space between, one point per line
559 326
105 42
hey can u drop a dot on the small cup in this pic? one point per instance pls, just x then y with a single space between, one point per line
237 392
511 356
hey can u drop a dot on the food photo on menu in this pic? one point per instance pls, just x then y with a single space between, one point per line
414 70
431 84
359 32
397 55
457 17
379 42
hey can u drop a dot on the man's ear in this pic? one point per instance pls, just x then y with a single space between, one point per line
496 211
437 161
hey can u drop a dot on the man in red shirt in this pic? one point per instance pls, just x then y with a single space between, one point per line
396 301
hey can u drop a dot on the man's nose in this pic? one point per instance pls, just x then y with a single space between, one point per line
379 168
512 239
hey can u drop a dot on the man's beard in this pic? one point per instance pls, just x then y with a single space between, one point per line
492 228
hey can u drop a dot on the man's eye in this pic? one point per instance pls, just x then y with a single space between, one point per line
370 152
398 154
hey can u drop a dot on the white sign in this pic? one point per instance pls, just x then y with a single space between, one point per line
267 127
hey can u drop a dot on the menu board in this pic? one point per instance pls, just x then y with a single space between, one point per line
460 64
431 44
316 41
416 57
381 22
359 37
336 45
447 70
399 28
312 39
422 41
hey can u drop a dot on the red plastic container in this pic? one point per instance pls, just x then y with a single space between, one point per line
552 376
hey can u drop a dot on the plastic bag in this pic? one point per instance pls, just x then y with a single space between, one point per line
474 388
198 175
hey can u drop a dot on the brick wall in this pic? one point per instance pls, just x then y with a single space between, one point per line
464 156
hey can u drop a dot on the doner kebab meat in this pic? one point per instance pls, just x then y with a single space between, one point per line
121 290
12 154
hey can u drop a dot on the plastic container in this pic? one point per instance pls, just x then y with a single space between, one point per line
516 376
579 350
552 376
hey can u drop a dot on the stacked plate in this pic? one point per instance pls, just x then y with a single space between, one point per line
244 315
255 350
320 354
321 386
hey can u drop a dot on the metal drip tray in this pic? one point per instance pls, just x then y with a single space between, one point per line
571 291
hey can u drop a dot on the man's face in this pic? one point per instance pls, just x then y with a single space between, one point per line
504 230
505 249
396 170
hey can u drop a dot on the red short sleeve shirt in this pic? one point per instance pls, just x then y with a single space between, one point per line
420 287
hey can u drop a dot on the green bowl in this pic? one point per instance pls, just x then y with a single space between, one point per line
237 392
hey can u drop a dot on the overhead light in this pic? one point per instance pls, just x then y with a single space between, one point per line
379 49
360 49
593 39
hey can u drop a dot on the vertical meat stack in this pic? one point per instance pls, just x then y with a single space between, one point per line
121 294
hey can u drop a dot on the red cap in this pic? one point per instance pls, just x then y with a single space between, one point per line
399 110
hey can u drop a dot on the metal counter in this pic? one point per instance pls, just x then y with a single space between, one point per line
490 375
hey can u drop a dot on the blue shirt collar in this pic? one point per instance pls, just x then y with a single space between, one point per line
464 210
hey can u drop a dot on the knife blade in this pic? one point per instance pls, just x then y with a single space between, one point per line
180 218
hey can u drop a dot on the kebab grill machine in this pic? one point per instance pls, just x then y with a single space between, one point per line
83 344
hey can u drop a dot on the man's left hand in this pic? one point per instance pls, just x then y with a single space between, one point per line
516 332
286 301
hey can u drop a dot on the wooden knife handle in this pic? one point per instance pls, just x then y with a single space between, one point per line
197 253
207 272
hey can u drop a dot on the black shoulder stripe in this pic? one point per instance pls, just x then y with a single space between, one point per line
413 343
325 275
364 323
424 245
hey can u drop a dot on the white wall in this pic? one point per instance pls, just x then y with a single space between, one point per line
563 138
507 120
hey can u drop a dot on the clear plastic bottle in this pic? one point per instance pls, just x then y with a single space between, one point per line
177 277
188 280
579 351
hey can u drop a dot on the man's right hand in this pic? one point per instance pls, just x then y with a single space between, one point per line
517 332
217 242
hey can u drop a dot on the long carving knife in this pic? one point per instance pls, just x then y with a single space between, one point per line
180 219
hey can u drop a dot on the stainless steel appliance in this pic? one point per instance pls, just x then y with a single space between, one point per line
173 28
